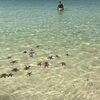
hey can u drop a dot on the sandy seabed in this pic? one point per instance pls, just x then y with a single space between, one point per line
69 75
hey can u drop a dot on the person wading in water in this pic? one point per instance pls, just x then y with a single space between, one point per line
60 6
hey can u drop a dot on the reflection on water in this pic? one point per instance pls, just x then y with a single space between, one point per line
60 12
47 54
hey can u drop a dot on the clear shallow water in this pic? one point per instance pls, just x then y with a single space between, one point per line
22 21
76 30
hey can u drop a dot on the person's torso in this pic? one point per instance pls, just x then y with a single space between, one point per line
60 5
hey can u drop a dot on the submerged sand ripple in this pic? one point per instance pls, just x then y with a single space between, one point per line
67 77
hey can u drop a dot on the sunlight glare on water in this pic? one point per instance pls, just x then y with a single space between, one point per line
71 37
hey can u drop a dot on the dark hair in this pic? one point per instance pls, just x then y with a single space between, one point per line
59 1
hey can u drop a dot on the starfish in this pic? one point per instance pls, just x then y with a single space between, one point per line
56 56
25 52
31 53
29 73
14 61
67 54
10 75
15 70
50 57
27 67
40 63
63 63
9 57
38 46
4 75
46 64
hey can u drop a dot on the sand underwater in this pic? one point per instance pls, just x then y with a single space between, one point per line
49 55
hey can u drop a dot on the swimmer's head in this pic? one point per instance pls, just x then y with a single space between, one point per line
59 1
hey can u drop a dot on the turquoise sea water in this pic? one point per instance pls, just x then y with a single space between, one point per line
27 23
24 24
22 21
